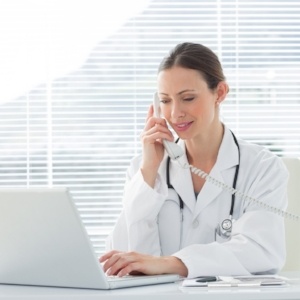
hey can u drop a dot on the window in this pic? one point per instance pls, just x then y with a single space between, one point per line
78 83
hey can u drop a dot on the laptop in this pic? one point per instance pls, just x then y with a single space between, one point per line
44 243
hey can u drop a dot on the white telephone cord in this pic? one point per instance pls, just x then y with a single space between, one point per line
241 195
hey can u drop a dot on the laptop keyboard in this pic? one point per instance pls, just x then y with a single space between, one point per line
126 277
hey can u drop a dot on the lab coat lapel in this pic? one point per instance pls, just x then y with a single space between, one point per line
209 192
228 157
181 180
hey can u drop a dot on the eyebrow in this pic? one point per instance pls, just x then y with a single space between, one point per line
181 92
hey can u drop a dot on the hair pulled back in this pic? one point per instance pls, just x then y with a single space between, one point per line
197 57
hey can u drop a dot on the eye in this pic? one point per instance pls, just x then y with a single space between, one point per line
189 99
164 101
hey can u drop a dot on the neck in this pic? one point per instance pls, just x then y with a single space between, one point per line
202 151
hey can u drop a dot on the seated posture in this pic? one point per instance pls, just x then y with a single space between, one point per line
174 221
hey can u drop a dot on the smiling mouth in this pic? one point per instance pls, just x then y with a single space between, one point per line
183 126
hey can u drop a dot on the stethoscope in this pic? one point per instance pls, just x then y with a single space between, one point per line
225 227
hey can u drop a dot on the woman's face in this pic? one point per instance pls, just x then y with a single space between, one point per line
186 102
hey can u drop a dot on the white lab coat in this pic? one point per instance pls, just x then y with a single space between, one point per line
150 220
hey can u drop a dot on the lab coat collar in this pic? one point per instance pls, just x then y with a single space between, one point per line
181 179
228 155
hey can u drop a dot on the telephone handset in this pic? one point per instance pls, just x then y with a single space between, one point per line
173 150
176 152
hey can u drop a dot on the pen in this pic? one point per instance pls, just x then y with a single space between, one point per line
206 279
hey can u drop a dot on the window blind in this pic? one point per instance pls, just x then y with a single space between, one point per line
80 128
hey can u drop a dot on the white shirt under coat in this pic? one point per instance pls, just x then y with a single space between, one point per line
150 221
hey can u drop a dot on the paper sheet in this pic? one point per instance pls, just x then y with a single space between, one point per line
238 281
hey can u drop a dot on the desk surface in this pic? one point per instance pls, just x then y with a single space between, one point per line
171 291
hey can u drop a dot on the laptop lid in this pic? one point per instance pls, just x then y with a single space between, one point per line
43 242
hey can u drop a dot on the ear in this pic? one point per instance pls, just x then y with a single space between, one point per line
222 90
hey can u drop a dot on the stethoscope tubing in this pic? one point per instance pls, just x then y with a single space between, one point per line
236 174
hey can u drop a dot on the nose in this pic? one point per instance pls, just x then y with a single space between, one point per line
177 110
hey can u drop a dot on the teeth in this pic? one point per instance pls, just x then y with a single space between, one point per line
182 125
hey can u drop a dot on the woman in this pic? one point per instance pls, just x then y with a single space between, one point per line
151 236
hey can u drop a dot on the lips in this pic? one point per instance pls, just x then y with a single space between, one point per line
183 126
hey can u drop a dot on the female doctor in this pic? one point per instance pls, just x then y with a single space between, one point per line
174 221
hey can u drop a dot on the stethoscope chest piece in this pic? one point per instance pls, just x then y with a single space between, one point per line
226 225
223 230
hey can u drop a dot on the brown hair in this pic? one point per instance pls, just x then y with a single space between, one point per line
196 57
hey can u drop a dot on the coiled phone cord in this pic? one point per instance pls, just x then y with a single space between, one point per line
239 194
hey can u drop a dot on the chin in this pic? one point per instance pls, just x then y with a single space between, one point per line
183 136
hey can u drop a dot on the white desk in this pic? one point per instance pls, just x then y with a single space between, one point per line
164 291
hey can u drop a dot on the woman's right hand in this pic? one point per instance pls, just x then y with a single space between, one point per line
123 263
155 130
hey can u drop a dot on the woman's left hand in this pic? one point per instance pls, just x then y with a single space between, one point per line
124 263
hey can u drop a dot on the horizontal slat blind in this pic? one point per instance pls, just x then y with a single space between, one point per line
81 129
262 66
